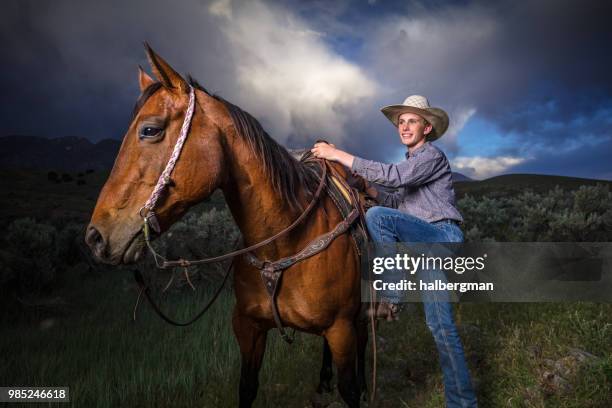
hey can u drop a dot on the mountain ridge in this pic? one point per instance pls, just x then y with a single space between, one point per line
69 153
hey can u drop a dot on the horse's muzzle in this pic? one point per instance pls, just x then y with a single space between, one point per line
97 244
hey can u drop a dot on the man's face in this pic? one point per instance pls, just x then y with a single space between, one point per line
412 129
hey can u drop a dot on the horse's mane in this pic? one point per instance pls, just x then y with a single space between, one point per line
285 172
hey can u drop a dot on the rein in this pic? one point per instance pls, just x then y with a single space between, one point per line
186 263
150 222
144 289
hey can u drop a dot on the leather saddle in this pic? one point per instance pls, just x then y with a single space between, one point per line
347 191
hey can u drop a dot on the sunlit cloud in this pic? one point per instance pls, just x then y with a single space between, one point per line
484 167
288 76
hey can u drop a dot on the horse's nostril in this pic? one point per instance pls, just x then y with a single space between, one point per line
94 240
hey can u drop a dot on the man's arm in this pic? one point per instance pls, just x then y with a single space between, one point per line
413 172
409 173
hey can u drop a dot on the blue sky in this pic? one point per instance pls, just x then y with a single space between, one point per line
526 84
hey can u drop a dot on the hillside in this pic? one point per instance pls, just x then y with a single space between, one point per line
457 177
512 184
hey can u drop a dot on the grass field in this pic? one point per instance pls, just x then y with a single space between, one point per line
92 345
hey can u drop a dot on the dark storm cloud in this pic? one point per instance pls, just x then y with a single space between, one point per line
70 68
564 48
537 71
519 64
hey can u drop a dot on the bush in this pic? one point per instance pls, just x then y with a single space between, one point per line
67 244
34 254
31 254
583 215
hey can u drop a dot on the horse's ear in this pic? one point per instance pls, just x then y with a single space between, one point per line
164 72
144 79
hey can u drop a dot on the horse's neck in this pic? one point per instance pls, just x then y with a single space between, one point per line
257 207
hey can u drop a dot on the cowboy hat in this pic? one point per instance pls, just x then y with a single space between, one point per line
419 105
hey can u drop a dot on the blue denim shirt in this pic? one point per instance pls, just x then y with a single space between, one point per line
423 184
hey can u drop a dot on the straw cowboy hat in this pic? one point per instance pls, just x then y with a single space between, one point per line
419 105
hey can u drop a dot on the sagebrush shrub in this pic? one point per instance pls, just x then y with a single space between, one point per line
583 215
34 254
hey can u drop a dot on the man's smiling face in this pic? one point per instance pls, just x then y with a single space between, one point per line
412 129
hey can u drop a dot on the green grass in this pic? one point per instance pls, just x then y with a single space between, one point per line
108 360
497 339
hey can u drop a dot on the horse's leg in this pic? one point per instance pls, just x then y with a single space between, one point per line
362 343
342 343
326 370
252 342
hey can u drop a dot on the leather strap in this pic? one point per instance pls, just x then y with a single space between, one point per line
271 272
145 289
314 247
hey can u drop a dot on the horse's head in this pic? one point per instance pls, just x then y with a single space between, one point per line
115 231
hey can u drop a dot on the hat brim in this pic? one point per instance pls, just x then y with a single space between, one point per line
436 116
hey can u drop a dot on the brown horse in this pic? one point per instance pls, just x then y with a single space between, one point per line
266 190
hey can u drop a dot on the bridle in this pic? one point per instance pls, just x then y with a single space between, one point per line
150 221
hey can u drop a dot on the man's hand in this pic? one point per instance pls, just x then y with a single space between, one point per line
325 151
329 152
370 190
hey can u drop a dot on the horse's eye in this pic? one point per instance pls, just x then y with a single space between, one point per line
149 132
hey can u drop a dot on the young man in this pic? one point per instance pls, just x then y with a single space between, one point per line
422 210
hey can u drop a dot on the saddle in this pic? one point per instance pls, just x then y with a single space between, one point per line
347 191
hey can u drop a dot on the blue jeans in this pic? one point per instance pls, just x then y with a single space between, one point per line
387 225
